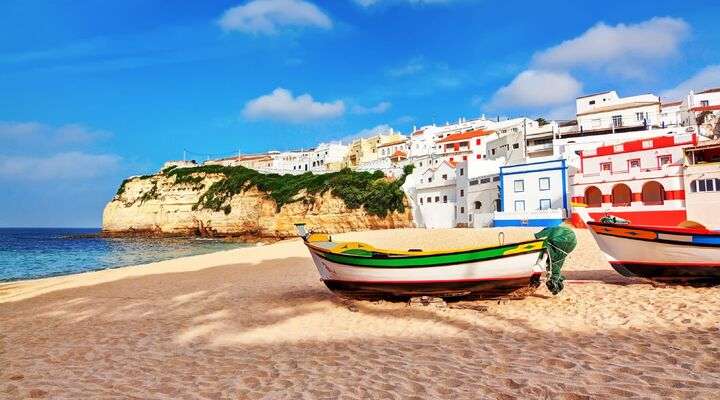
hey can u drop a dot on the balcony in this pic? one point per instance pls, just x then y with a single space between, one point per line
539 147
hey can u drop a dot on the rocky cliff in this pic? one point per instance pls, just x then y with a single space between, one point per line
234 201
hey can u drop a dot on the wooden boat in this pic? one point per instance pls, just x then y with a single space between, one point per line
673 254
360 270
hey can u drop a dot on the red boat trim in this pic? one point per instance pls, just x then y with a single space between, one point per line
660 229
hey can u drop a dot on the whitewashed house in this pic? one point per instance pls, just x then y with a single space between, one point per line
602 112
435 196
533 194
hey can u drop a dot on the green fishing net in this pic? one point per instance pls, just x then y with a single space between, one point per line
559 241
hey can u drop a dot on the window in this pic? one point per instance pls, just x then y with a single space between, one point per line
444 199
641 116
437 199
496 179
606 166
516 145
485 180
421 200
464 158
519 205
617 121
634 163
492 151
478 141
462 210
664 160
704 103
544 204
478 205
444 176
592 102
429 200
519 186
462 192
430 179
478 156
544 183
462 171
705 185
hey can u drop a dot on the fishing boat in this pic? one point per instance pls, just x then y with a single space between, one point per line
672 254
360 270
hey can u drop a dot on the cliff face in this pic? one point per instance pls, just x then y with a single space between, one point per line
158 205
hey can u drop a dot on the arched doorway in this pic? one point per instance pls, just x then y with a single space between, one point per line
593 197
621 195
653 193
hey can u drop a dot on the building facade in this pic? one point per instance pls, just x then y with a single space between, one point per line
701 174
533 194
640 180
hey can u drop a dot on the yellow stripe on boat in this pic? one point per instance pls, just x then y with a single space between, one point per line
525 248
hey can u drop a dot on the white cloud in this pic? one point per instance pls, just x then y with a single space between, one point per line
66 166
537 88
369 3
380 108
623 49
34 135
280 105
707 78
384 128
412 67
267 16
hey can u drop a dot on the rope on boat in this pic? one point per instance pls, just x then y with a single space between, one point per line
559 242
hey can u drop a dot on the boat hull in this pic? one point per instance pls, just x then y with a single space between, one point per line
659 255
515 275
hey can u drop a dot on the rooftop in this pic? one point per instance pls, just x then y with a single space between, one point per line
713 90
594 94
465 135
401 141
622 106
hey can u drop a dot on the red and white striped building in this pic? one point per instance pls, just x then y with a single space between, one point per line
640 180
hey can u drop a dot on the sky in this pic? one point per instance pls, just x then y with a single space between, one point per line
95 91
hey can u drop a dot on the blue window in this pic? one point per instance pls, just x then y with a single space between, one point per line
519 205
545 204
544 183
519 186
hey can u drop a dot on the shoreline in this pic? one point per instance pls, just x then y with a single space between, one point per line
257 322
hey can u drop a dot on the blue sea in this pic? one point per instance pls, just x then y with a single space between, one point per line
39 252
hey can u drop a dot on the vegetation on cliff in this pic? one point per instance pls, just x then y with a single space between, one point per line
377 194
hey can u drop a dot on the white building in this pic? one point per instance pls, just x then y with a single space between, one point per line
327 157
608 112
477 192
459 147
435 196
639 180
533 194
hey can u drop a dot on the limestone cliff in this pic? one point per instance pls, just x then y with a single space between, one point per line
158 204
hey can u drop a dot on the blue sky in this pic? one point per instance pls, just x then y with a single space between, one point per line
94 91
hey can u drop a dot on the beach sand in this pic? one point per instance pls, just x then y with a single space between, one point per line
257 323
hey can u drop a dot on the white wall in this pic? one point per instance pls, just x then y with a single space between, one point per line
531 194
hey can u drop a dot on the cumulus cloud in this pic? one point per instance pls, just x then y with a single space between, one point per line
537 88
67 166
622 49
281 105
267 16
707 78
380 108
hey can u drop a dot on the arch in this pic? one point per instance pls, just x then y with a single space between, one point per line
478 205
653 193
621 195
593 197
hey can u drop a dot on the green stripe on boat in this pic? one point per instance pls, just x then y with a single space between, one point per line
431 260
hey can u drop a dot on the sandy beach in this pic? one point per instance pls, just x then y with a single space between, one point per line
256 323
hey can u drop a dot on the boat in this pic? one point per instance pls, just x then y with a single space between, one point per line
670 254
362 271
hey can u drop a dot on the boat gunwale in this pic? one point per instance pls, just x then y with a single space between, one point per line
397 255
660 229
656 239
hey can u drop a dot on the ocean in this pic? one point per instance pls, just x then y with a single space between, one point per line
27 253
